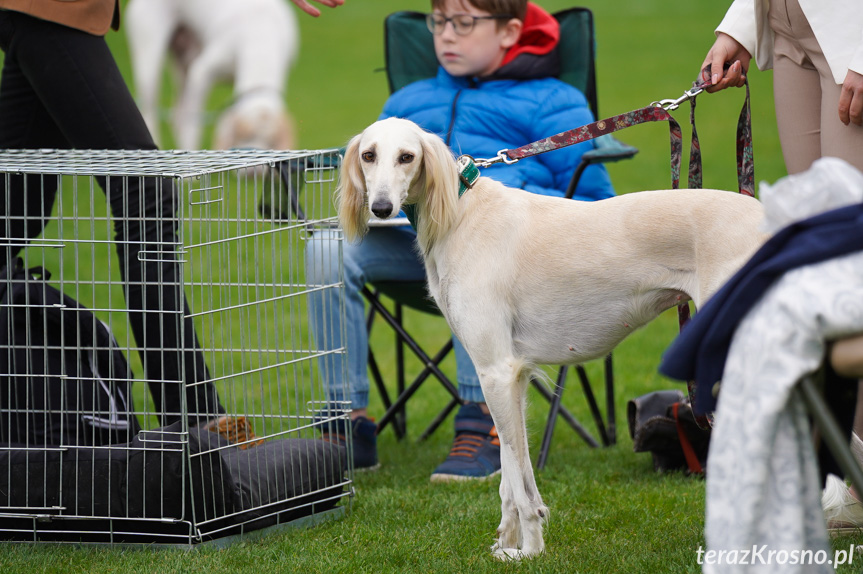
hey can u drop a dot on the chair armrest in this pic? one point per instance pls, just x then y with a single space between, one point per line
608 149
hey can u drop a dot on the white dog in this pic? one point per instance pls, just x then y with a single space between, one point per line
252 42
525 279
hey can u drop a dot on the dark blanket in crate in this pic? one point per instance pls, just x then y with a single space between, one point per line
216 488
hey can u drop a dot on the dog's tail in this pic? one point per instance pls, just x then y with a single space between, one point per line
528 371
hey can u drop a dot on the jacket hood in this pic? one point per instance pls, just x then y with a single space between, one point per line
534 54
540 34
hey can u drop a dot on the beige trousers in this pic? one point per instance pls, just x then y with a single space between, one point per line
806 95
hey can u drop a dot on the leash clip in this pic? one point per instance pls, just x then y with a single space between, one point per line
501 157
670 104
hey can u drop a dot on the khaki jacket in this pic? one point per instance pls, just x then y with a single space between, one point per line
91 16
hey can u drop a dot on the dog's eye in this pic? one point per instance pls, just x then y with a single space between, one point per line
406 158
368 156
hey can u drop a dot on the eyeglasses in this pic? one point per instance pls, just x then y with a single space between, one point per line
462 24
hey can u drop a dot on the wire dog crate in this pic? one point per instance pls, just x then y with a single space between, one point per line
159 382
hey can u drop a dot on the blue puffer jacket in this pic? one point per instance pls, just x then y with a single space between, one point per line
482 117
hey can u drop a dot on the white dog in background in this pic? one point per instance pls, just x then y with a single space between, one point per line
525 279
252 42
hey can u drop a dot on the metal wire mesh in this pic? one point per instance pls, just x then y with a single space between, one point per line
158 378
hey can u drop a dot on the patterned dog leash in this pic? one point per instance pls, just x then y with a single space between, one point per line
655 112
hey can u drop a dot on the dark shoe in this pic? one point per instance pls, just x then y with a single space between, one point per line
475 453
237 430
365 441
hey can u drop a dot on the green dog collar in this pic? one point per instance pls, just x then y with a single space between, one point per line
468 173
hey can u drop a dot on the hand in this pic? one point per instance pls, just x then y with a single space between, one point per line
851 99
309 9
726 50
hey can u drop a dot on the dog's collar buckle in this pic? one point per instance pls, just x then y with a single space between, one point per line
468 173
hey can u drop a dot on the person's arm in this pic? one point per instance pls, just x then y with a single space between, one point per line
309 9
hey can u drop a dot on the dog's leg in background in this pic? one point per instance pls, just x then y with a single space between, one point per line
189 111
149 26
522 511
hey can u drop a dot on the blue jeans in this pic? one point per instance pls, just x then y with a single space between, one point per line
385 254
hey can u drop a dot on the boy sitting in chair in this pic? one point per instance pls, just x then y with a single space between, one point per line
495 89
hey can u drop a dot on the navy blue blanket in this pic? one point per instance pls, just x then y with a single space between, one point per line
700 351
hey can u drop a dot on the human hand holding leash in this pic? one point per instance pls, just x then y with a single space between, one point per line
726 50
313 11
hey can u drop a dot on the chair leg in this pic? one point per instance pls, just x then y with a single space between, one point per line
399 425
567 416
591 402
439 419
431 368
834 438
400 419
607 430
610 416
552 418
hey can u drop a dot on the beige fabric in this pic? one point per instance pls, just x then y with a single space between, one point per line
91 16
837 24
807 98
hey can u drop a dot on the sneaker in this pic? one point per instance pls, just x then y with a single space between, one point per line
475 453
237 430
842 511
364 432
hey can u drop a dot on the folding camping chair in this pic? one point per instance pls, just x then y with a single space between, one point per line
845 357
410 56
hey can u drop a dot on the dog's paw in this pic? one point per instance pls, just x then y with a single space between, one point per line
506 554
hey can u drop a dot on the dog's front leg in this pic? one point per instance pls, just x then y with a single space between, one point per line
522 510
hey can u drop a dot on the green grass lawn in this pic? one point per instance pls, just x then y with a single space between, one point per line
610 512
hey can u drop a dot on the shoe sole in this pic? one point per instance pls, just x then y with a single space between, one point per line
461 477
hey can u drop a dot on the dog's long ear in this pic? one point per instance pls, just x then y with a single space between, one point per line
351 193
440 195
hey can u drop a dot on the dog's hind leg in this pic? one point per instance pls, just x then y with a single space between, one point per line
522 510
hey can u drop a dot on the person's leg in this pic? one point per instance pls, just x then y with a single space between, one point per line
25 201
796 92
74 76
837 139
468 381
385 254
475 452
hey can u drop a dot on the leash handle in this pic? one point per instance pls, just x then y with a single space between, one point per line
688 451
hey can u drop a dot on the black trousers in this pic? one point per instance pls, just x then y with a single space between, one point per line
61 88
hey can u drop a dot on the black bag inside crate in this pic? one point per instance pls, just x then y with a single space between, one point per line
219 487
63 378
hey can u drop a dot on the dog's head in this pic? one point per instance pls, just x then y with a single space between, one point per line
392 163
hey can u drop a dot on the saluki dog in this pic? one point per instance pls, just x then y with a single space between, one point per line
525 279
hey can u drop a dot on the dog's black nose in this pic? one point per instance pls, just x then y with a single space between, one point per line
382 208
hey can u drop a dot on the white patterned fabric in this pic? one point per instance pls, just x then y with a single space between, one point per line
763 489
